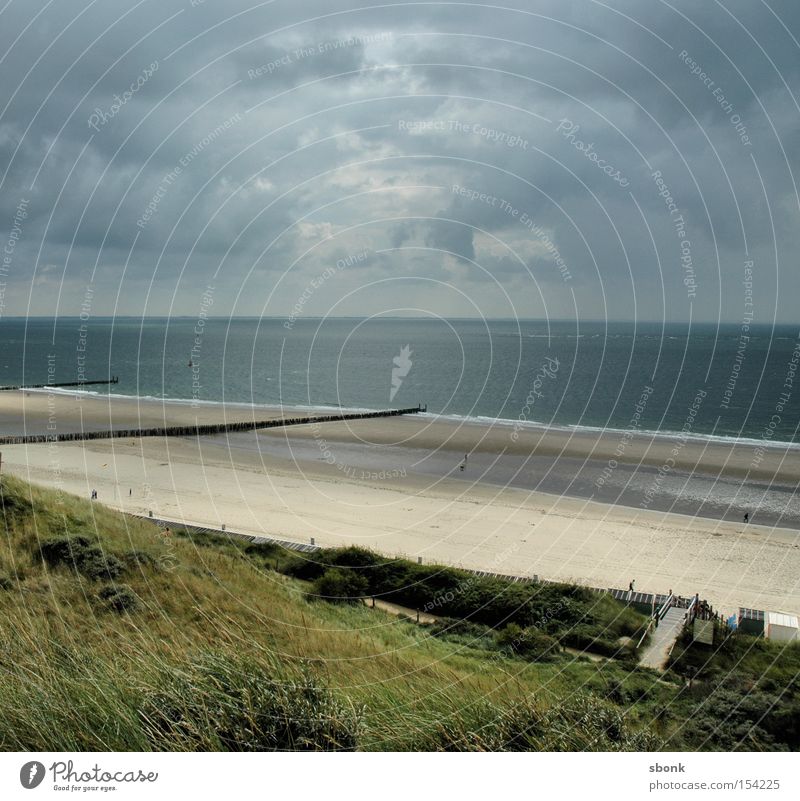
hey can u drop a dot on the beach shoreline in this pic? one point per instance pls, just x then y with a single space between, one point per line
213 409
395 485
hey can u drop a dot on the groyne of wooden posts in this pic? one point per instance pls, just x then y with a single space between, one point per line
60 384
198 430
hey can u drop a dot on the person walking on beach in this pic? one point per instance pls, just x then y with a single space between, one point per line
747 517
630 586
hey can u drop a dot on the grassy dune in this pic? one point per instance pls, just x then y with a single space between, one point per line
114 636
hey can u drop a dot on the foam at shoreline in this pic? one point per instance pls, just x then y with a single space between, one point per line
666 435
478 420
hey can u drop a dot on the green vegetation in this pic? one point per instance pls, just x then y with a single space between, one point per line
747 689
82 555
116 637
530 617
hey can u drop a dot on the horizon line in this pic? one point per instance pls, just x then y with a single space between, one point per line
394 317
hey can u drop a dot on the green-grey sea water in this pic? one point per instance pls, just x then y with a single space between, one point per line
738 386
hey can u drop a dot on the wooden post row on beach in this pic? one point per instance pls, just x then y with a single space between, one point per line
197 430
113 380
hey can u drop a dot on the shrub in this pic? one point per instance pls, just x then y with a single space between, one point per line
596 620
453 627
585 723
586 638
219 703
734 719
748 691
62 550
530 643
464 633
97 565
138 560
119 598
312 566
480 599
264 550
83 556
336 584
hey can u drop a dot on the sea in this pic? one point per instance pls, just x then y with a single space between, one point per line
718 381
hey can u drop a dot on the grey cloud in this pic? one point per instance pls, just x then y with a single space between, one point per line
291 167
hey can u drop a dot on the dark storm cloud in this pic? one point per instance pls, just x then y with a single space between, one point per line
620 156
451 237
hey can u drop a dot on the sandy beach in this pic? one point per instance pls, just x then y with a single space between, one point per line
525 505
30 412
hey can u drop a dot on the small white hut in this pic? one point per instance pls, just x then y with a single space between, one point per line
782 627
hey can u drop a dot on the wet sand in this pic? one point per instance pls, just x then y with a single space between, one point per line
707 479
41 412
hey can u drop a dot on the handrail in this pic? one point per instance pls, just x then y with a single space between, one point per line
645 633
655 617
665 607
691 612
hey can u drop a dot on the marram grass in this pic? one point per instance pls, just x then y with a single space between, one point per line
116 637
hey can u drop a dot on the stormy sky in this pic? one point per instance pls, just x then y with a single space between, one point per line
567 158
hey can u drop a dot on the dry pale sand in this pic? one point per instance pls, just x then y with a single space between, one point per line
234 481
